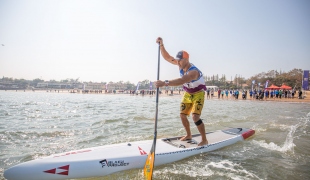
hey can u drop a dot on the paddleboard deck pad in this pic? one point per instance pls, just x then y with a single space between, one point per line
108 159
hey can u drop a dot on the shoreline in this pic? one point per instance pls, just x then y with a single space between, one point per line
176 94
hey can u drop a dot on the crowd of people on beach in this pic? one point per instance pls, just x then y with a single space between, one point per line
275 94
228 94
260 94
142 92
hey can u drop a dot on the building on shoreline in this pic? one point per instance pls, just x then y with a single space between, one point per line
82 86
12 86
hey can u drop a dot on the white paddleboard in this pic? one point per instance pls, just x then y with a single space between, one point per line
108 159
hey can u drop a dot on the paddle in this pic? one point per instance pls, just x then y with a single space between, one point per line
149 163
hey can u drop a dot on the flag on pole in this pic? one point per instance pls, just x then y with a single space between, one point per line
266 84
253 82
138 86
305 80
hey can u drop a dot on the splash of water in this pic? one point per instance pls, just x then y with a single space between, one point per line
198 169
288 145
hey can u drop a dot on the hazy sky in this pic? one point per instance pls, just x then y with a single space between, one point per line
114 40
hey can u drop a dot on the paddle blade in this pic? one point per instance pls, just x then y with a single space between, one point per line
148 167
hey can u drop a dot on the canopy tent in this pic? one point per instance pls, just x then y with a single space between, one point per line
285 87
273 87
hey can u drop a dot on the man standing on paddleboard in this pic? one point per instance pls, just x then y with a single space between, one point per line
194 86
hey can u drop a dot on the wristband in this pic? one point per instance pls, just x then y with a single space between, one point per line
166 82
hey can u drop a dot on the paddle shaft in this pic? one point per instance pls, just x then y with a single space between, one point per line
157 96
149 164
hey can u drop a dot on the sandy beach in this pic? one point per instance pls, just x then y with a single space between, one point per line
176 94
215 97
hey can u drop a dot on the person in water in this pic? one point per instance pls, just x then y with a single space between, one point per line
194 86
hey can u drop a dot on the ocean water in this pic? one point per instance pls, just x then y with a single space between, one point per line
36 124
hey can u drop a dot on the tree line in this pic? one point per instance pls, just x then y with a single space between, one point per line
291 78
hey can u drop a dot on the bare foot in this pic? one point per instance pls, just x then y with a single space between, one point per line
185 138
202 143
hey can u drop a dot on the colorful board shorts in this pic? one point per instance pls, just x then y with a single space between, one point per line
192 103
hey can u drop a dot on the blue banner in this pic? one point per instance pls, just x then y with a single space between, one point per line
305 80
151 86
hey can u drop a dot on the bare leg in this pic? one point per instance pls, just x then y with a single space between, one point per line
186 125
201 129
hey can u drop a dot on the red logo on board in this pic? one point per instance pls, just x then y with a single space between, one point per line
142 152
63 170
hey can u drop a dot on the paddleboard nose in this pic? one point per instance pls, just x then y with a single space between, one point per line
11 174
19 172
